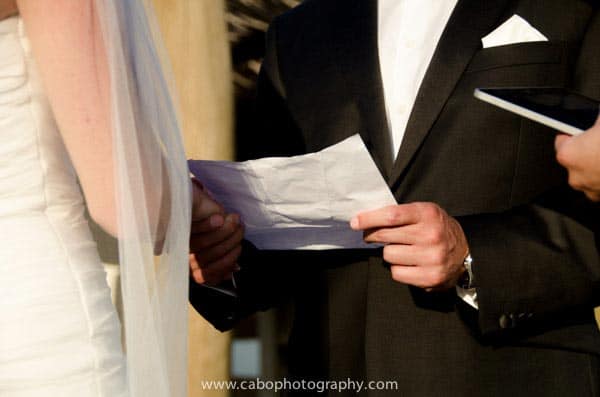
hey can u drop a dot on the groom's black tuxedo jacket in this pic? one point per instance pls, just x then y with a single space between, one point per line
533 239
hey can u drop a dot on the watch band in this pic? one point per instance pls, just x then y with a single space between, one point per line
466 280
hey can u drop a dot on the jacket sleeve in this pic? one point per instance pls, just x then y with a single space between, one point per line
535 265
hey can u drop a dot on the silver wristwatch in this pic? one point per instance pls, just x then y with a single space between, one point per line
466 280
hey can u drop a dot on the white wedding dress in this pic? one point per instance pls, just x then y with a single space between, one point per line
59 332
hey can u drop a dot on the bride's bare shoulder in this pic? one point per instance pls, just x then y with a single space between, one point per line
8 8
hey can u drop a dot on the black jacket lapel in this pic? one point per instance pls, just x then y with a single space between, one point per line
354 42
471 20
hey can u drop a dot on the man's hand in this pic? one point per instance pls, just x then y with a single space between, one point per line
215 241
580 155
424 245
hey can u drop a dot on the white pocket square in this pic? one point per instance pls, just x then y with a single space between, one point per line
514 30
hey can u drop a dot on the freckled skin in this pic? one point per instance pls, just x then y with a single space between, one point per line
7 8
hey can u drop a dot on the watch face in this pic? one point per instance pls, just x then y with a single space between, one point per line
468 261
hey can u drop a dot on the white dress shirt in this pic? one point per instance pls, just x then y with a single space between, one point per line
408 34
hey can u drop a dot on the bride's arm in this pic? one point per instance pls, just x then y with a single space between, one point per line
67 45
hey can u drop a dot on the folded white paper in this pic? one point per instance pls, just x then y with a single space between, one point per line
301 202
514 30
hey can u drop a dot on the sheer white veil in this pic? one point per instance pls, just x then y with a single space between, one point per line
153 198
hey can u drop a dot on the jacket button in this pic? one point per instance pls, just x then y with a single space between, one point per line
504 321
507 321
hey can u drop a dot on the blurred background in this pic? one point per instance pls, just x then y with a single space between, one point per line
223 43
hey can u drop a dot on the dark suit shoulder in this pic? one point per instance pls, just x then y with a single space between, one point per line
306 9
304 22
